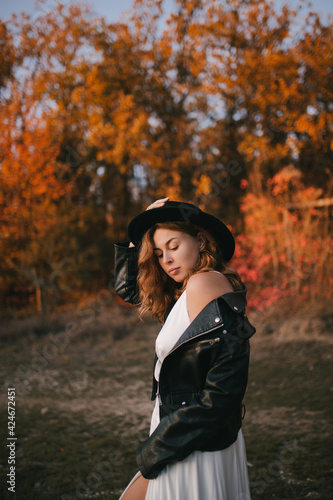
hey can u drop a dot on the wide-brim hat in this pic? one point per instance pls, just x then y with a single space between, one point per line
185 212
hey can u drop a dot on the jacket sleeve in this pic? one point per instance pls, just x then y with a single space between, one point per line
125 272
209 421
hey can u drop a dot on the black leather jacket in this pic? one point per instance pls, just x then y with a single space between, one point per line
202 380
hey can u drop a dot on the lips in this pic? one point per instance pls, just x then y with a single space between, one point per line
173 270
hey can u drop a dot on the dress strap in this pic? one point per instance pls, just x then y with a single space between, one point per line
210 271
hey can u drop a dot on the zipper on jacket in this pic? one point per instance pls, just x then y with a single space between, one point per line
196 336
210 341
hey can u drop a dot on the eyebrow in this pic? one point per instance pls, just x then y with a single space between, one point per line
167 243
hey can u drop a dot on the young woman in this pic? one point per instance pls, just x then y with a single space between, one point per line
175 267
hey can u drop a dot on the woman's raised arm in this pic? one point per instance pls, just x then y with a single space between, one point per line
125 266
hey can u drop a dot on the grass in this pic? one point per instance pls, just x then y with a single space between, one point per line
83 405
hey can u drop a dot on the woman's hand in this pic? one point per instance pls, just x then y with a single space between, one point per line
158 203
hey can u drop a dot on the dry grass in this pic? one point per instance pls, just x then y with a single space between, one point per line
83 402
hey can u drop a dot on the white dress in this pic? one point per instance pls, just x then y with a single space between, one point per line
214 475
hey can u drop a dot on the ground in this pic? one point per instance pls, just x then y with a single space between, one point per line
82 393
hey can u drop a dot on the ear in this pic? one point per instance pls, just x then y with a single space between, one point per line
201 241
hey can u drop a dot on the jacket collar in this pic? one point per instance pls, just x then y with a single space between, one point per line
211 317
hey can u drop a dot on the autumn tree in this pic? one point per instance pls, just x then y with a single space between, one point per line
144 122
43 154
221 105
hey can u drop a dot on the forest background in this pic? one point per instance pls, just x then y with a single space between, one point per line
226 105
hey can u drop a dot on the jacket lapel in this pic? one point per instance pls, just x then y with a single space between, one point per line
210 317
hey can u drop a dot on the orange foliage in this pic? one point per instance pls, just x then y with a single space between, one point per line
228 105
282 250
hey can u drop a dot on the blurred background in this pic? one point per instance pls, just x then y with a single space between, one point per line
226 105
104 108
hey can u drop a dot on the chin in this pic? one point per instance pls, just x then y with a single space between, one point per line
178 280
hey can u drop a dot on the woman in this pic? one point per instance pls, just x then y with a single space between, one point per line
175 267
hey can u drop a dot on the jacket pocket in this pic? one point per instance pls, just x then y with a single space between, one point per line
193 343
209 341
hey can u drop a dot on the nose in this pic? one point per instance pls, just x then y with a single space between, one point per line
167 257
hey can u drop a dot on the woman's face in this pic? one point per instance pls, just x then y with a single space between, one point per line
177 252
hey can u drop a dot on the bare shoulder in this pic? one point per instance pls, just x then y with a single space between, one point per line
207 281
204 287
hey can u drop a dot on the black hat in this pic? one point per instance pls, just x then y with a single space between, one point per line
185 212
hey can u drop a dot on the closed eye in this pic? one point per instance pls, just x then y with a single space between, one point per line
161 255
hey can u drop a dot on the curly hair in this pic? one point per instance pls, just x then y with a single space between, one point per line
158 291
